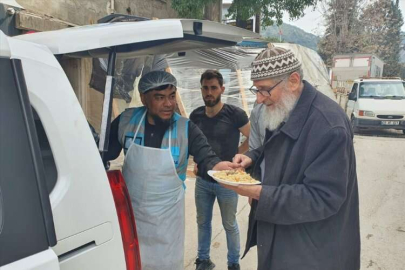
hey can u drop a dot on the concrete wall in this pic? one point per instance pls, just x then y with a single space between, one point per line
82 12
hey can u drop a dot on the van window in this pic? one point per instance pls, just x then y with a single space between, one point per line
51 174
25 211
354 88
353 93
382 89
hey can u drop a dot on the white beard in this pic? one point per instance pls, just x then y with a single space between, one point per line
274 115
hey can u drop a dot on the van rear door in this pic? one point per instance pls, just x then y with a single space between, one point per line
26 223
86 223
132 39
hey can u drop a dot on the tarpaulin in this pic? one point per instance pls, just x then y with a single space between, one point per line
233 62
126 71
235 65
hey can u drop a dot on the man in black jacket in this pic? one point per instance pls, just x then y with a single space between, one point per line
305 215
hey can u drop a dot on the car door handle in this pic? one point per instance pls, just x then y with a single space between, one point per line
77 251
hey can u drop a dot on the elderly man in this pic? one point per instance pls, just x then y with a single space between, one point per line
305 215
157 142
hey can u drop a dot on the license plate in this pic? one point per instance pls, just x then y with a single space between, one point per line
390 123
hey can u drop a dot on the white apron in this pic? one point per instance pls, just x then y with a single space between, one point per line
157 196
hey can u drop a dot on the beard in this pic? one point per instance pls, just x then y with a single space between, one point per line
273 116
212 103
160 121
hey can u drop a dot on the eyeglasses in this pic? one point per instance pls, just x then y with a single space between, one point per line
265 93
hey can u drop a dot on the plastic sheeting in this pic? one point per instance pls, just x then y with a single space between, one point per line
126 71
234 64
223 58
188 85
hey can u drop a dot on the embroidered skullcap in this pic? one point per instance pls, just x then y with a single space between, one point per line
154 80
273 62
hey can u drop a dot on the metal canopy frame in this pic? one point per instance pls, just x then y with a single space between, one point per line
107 104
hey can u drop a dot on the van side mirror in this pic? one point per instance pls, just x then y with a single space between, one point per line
352 96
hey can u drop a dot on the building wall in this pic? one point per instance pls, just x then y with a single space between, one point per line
82 12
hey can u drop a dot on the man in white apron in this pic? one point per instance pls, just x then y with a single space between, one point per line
157 142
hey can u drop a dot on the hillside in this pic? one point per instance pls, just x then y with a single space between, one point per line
292 34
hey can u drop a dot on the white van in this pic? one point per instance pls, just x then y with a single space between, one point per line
59 209
377 103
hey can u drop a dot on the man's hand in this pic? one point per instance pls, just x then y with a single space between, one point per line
242 160
248 191
225 165
195 171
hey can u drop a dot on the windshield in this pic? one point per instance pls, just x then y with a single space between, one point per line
382 90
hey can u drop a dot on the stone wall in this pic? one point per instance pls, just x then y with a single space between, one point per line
82 12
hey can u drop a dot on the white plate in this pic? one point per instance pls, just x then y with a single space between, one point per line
219 180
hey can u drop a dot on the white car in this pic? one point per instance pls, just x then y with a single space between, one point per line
377 103
59 209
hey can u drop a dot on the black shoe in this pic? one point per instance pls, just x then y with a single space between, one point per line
234 266
204 264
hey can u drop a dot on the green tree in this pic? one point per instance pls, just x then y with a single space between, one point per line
382 22
342 29
270 10
192 8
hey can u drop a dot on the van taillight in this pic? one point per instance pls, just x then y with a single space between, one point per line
126 219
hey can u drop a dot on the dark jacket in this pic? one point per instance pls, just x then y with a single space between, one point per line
307 217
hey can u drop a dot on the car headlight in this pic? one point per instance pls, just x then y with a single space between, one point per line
366 113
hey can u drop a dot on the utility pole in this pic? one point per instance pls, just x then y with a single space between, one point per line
257 24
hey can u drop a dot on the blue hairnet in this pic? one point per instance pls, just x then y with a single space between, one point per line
155 79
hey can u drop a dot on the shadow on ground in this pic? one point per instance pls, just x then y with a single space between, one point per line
392 133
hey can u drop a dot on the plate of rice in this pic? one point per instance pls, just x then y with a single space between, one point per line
233 177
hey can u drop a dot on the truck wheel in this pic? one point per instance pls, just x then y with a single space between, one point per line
354 127
403 131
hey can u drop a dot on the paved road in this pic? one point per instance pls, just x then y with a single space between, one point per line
381 173
218 243
381 177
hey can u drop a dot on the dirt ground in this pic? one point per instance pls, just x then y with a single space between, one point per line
381 176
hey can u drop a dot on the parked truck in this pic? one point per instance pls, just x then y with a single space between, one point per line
348 67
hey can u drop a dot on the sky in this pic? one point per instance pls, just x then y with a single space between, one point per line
313 22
